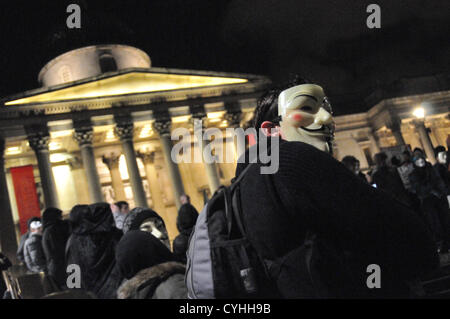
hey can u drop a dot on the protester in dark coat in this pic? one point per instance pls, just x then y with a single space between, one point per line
149 268
388 179
352 163
146 219
187 217
23 238
33 252
442 166
54 239
432 193
92 246
311 191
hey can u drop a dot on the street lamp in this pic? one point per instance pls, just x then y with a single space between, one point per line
419 113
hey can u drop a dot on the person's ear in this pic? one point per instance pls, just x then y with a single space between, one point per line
270 129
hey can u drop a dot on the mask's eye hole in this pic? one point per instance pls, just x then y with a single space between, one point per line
306 108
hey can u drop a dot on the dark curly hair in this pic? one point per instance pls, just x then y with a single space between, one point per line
267 106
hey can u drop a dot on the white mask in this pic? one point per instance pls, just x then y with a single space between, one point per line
420 162
305 116
442 157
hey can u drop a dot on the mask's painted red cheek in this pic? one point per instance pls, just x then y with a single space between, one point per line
298 117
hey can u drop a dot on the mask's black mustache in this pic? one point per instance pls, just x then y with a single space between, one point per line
314 130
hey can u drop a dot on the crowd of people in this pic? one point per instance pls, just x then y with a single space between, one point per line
121 253
315 223
412 180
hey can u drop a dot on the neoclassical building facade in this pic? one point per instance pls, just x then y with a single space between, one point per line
99 129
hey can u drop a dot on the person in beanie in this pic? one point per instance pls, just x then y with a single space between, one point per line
149 268
33 253
23 238
187 217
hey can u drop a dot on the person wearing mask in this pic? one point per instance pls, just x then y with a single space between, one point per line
312 192
441 166
33 253
120 211
186 219
432 193
389 180
146 219
150 269
92 246
23 238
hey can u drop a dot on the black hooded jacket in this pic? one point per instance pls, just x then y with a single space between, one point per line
312 192
54 239
187 217
92 245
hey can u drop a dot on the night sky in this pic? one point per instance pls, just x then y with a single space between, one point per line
327 42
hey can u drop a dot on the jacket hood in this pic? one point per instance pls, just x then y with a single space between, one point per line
95 218
50 216
138 250
157 274
137 216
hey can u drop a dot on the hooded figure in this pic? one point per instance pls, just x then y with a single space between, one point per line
187 217
432 193
92 245
23 238
146 219
54 239
149 268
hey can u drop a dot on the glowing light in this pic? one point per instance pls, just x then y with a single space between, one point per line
146 131
58 157
224 124
110 136
181 119
128 83
13 150
215 115
54 146
419 112
60 134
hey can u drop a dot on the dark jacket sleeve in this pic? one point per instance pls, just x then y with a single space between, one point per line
359 217
48 245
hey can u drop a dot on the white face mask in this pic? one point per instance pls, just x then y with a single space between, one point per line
306 116
420 162
442 157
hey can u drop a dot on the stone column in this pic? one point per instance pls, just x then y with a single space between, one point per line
81 183
116 180
425 139
395 127
155 191
125 132
8 241
84 138
234 121
39 143
374 141
163 129
211 169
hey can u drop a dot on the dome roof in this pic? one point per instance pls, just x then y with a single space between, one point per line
91 61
